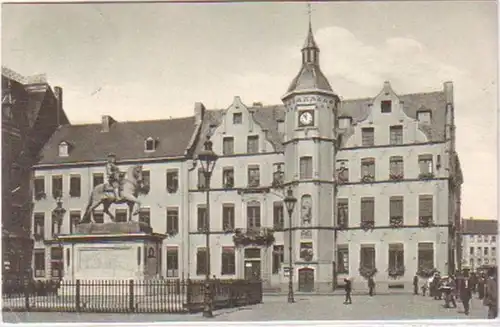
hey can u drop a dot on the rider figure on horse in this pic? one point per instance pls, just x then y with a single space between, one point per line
113 174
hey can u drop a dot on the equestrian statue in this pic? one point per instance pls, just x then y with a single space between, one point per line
119 188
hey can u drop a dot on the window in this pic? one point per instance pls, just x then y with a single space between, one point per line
367 209
252 253
56 262
201 261
74 219
172 221
97 179
425 165
343 213
57 186
228 146
75 186
479 261
121 215
202 218
471 262
145 216
39 225
306 251
425 212
494 251
172 261
479 251
493 239
146 178
227 217
367 256
253 215
278 215
237 118
368 136
343 259
342 171
99 217
149 144
39 187
306 168
228 177
396 135
56 224
253 176
228 261
202 182
396 210
172 180
396 256
278 258
425 255
396 168
486 251
471 250
39 262
253 144
386 106
63 149
368 169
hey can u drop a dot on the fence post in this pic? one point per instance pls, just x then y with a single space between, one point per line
77 296
27 285
131 305
188 290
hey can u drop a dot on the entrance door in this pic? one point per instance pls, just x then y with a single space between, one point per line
252 270
306 280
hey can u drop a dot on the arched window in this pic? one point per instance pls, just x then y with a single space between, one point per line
149 144
63 149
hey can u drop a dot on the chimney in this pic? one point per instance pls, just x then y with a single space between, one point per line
107 121
199 112
448 92
58 92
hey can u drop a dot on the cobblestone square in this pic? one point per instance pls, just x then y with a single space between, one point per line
389 307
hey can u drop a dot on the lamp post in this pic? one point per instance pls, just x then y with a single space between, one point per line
59 212
290 202
207 159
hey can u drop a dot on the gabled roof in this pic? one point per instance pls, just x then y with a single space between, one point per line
480 226
125 139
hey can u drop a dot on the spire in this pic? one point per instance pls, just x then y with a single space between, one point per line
310 50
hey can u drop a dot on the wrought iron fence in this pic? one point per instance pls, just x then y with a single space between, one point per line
139 296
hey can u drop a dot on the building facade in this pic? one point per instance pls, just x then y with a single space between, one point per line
31 112
377 182
479 242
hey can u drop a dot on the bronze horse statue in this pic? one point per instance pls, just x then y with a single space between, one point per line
130 186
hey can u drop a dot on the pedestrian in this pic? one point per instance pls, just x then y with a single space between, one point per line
465 291
415 285
491 294
481 285
446 288
348 290
371 286
424 287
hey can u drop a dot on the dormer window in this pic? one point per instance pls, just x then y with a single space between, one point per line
424 116
150 145
63 149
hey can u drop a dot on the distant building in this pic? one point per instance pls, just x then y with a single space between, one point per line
377 180
31 112
479 242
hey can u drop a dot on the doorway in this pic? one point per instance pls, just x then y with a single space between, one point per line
252 270
306 280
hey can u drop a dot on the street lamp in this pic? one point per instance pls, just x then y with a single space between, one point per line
207 159
290 202
58 213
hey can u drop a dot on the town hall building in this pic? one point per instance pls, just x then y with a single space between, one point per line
377 182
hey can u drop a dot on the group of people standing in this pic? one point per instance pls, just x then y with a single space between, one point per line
463 286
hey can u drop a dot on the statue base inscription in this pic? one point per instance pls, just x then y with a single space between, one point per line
110 252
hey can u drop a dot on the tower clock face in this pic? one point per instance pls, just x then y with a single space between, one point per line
306 118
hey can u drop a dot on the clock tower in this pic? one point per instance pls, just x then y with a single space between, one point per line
310 146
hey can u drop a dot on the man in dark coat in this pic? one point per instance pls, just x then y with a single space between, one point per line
491 294
465 291
480 286
415 285
371 285
348 290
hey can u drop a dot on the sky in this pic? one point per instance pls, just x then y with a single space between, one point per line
154 61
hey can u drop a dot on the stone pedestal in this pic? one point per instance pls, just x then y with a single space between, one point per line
109 253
